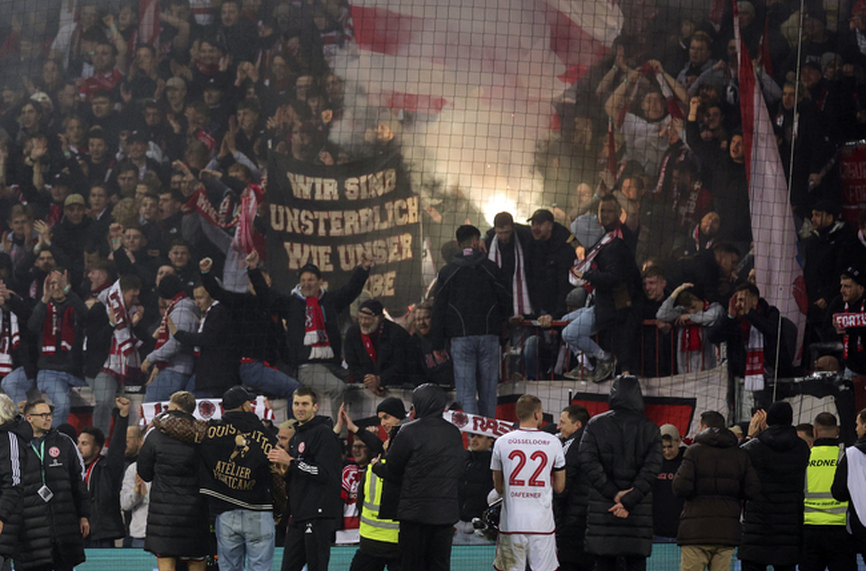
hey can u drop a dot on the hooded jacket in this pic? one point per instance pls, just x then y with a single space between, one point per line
773 521
471 299
621 449
424 463
315 474
715 476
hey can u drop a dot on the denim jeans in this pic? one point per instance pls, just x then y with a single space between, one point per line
55 385
268 381
165 384
16 384
578 333
247 533
104 388
476 369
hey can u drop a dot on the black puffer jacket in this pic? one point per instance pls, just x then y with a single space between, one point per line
621 449
176 520
316 472
424 462
714 477
106 476
773 522
14 436
57 522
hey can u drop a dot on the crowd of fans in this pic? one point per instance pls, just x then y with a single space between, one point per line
115 117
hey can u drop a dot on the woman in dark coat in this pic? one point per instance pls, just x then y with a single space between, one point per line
177 520
621 456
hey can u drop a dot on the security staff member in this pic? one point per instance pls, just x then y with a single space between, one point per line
826 542
379 537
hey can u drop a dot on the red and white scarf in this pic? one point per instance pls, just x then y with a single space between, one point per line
697 237
369 344
123 355
196 351
754 341
163 334
691 336
9 340
58 330
315 334
522 305
587 263
848 319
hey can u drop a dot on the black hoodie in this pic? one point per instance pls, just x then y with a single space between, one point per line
424 464
471 299
316 472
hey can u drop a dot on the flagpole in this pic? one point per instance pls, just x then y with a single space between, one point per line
794 127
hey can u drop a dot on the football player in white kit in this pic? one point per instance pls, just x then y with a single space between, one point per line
528 466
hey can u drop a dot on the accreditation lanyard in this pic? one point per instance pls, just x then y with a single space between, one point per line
40 454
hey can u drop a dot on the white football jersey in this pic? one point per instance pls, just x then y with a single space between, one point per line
527 457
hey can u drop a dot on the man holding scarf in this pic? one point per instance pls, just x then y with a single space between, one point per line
751 330
313 331
608 270
173 361
57 321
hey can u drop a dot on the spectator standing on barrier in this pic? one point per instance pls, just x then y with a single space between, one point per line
847 314
470 308
422 468
377 349
103 475
15 433
773 520
827 544
666 506
715 476
173 361
215 345
176 528
569 507
751 331
314 469
260 337
313 332
58 321
528 467
610 269
621 456
56 503
849 484
476 481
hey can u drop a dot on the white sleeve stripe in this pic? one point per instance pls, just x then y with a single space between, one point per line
312 470
14 459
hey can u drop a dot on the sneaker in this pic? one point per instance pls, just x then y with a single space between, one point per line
579 373
604 370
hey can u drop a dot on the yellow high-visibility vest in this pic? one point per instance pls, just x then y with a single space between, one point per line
820 507
372 527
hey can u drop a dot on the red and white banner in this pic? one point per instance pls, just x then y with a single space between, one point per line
779 275
205 409
846 320
475 424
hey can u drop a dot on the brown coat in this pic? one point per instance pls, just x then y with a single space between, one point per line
715 476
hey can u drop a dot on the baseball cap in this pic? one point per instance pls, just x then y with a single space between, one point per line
235 397
136 137
541 215
175 83
73 199
372 307
670 430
